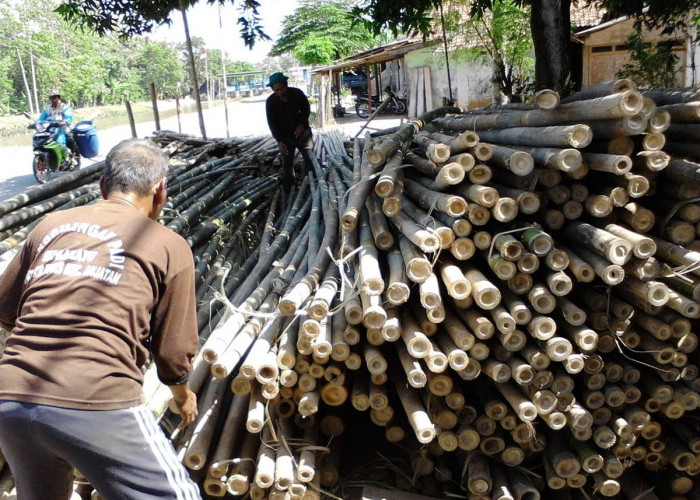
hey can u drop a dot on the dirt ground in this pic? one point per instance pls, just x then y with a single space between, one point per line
247 118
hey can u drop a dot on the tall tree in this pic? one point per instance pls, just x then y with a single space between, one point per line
137 17
549 21
166 74
550 24
320 26
500 38
88 69
550 27
315 51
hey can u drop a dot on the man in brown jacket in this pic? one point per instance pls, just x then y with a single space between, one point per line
95 292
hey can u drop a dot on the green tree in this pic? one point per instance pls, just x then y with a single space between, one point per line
166 73
501 38
88 69
314 51
322 25
199 50
239 66
137 17
550 25
650 66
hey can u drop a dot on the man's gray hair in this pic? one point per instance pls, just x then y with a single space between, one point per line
134 166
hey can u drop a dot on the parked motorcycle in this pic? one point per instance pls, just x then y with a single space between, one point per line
394 104
51 155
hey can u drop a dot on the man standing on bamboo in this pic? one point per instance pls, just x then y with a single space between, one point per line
288 112
92 293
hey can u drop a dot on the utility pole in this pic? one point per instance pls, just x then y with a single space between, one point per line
223 71
447 57
30 103
36 97
193 71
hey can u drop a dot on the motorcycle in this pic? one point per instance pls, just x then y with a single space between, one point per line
394 104
51 155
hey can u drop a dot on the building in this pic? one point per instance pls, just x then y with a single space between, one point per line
605 50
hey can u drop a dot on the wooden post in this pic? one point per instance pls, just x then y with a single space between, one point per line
177 110
154 102
26 85
193 72
130 114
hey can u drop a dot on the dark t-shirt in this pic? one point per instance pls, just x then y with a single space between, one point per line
91 292
283 117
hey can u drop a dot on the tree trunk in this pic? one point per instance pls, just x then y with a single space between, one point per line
550 24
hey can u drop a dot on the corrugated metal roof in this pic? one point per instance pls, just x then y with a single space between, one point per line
383 53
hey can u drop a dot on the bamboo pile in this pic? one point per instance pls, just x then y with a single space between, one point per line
504 302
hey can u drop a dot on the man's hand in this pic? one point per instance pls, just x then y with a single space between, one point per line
299 131
283 148
185 403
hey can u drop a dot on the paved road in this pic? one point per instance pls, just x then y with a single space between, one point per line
246 118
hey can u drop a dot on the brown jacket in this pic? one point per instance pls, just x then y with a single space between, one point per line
93 290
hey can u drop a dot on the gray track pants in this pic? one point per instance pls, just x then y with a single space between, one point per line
123 453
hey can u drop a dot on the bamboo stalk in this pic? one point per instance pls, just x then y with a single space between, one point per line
417 416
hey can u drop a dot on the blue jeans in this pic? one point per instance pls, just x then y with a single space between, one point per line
122 453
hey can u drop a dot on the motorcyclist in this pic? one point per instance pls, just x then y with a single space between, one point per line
60 112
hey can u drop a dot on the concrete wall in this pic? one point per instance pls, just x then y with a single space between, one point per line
471 80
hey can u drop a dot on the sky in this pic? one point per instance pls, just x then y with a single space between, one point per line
217 26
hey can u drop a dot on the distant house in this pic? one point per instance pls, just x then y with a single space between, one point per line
300 77
604 50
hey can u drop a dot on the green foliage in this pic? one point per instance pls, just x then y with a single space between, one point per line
651 66
408 16
166 74
129 18
239 67
501 37
89 70
315 51
668 15
319 20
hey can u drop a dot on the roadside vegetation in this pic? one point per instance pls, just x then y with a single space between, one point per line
99 53
40 51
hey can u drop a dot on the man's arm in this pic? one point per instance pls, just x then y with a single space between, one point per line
304 109
174 335
68 115
272 119
11 285
185 403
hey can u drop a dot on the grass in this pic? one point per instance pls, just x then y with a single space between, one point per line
15 125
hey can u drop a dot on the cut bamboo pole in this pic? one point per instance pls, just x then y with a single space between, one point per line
417 416
265 462
562 136
484 293
389 176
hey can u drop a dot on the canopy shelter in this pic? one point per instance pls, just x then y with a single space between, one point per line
366 59
246 81
384 53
